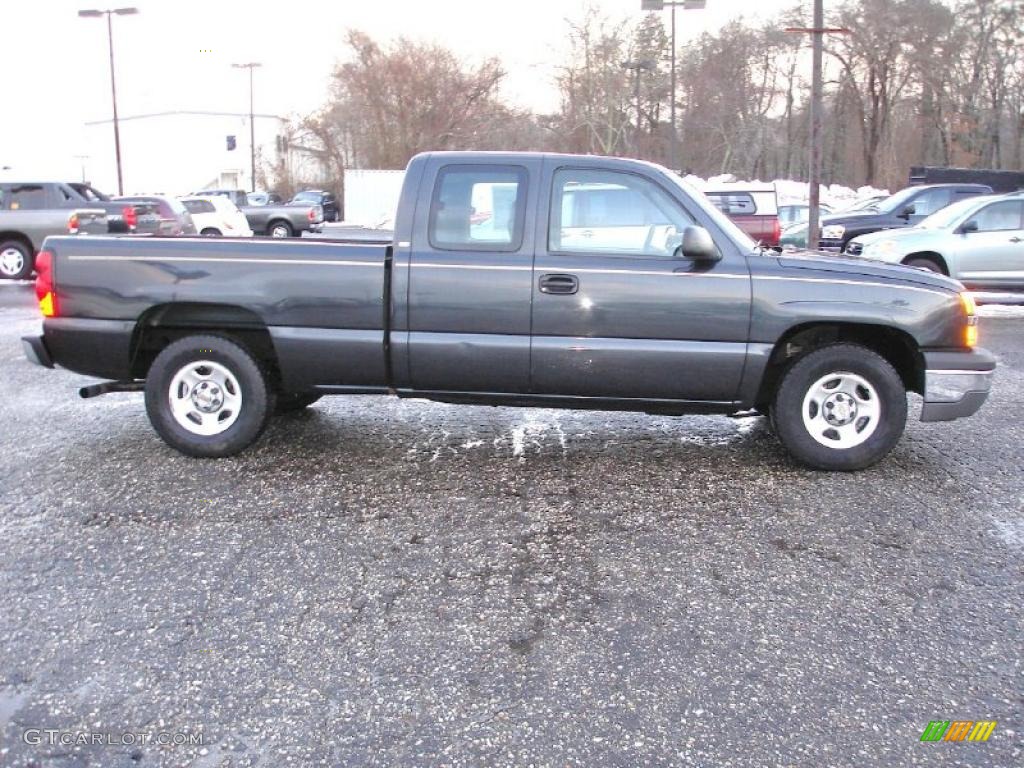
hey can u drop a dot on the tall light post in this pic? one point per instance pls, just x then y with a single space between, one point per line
638 66
96 14
659 5
251 65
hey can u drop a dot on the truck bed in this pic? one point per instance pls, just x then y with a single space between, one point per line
321 301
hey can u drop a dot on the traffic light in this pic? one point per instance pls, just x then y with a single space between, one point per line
232 143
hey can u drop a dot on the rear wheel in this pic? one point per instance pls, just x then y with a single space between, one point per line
280 229
207 396
842 407
15 260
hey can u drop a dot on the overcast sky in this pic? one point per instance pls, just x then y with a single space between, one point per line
177 55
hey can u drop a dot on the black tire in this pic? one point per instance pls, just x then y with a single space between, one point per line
257 398
291 402
923 262
788 407
283 228
16 260
211 232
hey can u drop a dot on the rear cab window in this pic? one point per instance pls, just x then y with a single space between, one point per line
734 203
478 208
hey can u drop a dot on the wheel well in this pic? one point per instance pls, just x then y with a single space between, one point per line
272 222
931 256
18 236
166 323
896 346
210 230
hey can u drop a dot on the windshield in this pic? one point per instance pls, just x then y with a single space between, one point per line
894 202
737 235
310 197
948 217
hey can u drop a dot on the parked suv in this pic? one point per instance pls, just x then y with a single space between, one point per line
906 208
979 241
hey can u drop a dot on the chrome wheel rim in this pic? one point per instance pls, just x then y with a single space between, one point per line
205 398
841 410
279 231
12 261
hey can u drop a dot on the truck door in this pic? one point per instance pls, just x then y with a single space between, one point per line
469 276
992 256
616 314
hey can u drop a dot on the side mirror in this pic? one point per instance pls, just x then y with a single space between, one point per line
907 212
697 245
969 226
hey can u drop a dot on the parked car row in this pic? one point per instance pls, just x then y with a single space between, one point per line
31 211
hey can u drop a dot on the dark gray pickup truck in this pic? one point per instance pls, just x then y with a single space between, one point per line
513 280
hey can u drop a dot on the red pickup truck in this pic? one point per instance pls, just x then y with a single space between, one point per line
754 208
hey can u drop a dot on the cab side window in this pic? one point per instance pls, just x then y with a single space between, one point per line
477 208
613 213
27 197
1000 216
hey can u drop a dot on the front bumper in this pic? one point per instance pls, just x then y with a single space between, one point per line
956 384
36 351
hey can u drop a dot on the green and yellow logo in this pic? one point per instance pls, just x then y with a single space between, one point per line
958 730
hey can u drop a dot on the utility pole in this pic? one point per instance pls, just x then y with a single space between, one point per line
659 5
817 33
95 14
252 122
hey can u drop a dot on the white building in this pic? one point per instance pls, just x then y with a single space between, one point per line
182 151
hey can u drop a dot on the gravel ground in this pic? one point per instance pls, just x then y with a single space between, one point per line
402 583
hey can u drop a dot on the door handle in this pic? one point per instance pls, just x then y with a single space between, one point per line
559 284
1017 239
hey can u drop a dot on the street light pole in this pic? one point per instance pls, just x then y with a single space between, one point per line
637 65
252 122
659 5
94 14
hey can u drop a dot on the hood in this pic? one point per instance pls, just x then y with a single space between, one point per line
899 235
869 268
850 218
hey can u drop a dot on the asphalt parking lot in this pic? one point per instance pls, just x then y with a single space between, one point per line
402 583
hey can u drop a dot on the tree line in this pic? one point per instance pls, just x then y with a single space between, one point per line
912 82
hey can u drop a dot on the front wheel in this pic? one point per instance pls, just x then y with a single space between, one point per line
842 407
207 396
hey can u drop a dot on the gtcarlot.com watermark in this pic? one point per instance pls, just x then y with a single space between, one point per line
52 737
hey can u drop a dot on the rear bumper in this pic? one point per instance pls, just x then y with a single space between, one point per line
956 384
36 351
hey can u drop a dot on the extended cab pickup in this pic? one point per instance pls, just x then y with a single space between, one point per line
507 283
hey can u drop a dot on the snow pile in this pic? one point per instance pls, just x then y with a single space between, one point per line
790 192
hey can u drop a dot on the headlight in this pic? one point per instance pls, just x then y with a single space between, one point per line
833 232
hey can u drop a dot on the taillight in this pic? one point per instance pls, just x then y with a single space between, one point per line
776 231
311 214
73 224
970 310
131 219
45 288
